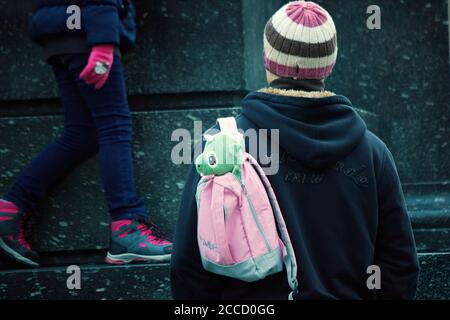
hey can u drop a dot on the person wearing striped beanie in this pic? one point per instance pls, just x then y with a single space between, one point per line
300 42
336 182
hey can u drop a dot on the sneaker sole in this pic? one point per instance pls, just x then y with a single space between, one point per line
16 256
130 257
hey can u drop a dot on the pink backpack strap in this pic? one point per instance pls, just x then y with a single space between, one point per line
228 125
290 260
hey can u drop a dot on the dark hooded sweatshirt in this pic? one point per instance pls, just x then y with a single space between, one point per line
341 198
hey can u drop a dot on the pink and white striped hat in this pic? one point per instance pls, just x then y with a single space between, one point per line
300 42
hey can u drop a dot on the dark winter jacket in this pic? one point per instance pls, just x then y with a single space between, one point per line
341 197
102 22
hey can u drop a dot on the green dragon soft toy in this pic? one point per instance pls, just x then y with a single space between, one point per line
223 153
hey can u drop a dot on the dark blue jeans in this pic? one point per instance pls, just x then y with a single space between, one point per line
94 121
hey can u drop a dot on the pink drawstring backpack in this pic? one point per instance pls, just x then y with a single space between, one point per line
241 231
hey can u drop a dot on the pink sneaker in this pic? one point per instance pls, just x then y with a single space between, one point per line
137 241
12 235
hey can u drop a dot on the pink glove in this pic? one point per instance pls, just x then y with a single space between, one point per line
99 65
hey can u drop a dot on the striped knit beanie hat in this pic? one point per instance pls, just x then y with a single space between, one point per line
300 42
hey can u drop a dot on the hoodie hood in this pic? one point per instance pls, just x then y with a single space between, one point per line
318 132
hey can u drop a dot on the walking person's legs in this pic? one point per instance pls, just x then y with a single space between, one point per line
134 238
78 143
110 112
94 120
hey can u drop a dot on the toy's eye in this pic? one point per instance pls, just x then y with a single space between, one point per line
212 159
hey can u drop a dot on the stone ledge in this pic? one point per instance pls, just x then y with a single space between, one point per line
429 210
98 282
147 282
434 277
432 239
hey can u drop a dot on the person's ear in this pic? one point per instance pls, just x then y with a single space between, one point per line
270 77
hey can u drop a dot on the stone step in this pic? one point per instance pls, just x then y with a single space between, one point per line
72 232
429 208
434 276
143 281
130 282
75 216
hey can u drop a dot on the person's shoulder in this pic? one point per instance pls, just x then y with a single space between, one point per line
375 142
243 122
380 151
